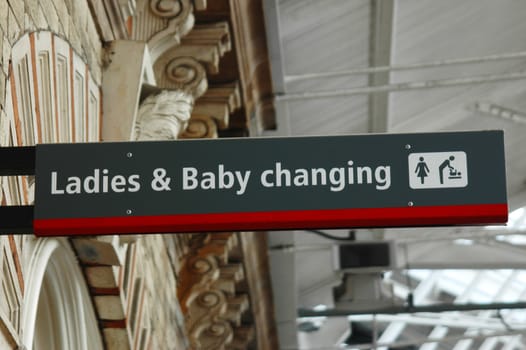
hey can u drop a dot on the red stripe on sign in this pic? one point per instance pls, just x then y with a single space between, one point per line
278 220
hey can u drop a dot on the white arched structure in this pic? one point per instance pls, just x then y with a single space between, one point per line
57 313
51 97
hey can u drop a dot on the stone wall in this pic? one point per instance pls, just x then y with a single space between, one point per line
72 21
69 19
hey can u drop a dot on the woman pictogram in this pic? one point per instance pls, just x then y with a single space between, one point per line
421 169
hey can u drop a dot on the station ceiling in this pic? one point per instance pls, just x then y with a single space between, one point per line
397 66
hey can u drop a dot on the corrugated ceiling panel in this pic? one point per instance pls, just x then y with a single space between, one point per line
435 30
321 36
329 116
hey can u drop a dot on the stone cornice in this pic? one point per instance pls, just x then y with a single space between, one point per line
198 85
219 102
208 43
207 31
198 45
162 23
248 63
207 293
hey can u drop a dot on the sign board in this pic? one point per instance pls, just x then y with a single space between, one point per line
373 180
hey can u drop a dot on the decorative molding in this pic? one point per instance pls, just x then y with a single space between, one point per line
178 21
207 293
167 26
162 23
200 5
237 305
212 112
185 66
181 54
242 337
199 127
163 116
229 276
169 8
208 43
112 17
197 270
211 334
219 102
183 73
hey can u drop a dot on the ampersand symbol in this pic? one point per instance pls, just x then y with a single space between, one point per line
160 181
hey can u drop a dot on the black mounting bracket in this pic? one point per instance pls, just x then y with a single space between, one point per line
17 161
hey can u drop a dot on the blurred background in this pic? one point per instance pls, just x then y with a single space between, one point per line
360 66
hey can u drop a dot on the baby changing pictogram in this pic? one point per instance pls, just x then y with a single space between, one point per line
438 170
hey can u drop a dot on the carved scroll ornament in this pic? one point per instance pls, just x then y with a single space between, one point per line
200 127
162 23
207 293
181 73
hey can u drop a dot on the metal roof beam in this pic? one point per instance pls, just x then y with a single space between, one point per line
463 298
451 320
405 343
382 17
405 86
408 66
451 255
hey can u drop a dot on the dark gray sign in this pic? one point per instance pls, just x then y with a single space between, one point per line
301 176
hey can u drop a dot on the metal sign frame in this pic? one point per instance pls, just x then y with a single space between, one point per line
373 180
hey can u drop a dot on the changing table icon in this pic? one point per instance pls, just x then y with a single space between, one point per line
438 170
